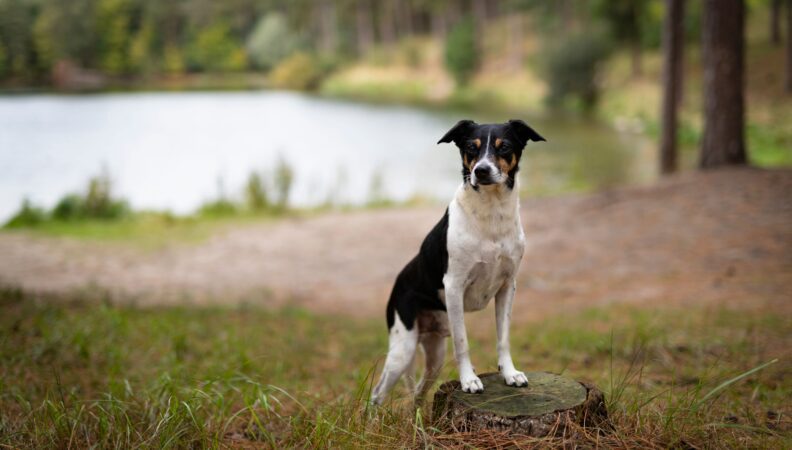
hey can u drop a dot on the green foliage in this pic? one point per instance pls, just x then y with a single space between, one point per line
114 33
271 41
69 207
173 60
97 203
571 70
220 207
301 71
214 49
27 216
256 193
283 178
462 53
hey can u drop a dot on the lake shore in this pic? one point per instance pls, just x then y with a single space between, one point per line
660 245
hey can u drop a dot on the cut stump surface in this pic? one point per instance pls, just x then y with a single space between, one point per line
546 407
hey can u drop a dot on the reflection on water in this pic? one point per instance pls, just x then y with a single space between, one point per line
168 150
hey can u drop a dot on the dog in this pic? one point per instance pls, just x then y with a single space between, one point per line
470 256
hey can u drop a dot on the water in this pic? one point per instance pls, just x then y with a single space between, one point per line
176 150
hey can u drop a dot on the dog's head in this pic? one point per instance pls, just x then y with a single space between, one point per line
490 152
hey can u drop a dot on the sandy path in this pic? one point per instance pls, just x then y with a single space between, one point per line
723 236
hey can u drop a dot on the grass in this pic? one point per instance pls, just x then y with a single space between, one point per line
81 374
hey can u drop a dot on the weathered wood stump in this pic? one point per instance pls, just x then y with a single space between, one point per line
548 406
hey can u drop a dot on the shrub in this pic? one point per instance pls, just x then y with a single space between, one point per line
283 179
218 208
69 207
27 216
97 203
215 49
571 70
271 41
462 54
300 71
256 193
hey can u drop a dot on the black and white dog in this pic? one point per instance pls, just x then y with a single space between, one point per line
469 257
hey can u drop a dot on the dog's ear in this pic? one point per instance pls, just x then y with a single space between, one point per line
524 132
460 130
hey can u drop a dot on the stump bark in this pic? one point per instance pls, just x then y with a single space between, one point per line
550 405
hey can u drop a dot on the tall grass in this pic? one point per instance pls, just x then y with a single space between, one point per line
77 374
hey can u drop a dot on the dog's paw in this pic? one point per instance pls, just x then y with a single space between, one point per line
472 384
515 378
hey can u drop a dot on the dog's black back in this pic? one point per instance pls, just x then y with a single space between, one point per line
417 286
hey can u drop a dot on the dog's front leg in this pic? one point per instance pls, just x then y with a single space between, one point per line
454 295
503 308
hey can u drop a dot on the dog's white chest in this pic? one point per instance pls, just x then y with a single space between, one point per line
483 255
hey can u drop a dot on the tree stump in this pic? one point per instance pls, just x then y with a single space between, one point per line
548 406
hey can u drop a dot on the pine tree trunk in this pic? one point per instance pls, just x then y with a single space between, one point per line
365 29
386 27
789 47
515 39
328 34
636 58
723 26
673 35
775 22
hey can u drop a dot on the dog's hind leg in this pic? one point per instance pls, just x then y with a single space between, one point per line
434 347
402 344
409 374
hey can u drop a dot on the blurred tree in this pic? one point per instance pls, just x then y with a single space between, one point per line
723 43
67 30
364 26
172 60
789 47
673 51
140 49
271 41
572 66
283 179
328 26
256 193
17 50
626 20
462 54
214 49
775 21
113 29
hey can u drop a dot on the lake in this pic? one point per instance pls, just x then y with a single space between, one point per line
176 150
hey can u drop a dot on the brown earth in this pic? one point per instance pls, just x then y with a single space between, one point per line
696 238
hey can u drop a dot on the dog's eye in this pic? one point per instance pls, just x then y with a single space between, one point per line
471 148
504 148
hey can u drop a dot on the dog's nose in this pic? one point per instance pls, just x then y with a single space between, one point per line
481 172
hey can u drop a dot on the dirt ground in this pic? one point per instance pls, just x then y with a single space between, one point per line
696 238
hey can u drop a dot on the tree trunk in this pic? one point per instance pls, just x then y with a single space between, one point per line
723 41
673 37
789 47
386 28
549 406
480 14
365 29
775 22
515 39
328 33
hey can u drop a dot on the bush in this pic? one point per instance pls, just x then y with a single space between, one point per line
69 207
27 216
256 193
271 41
462 54
214 49
97 203
283 180
572 69
300 71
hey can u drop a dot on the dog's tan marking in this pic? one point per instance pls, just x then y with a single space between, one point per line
477 142
498 142
507 165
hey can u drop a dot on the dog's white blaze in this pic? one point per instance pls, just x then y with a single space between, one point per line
488 162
